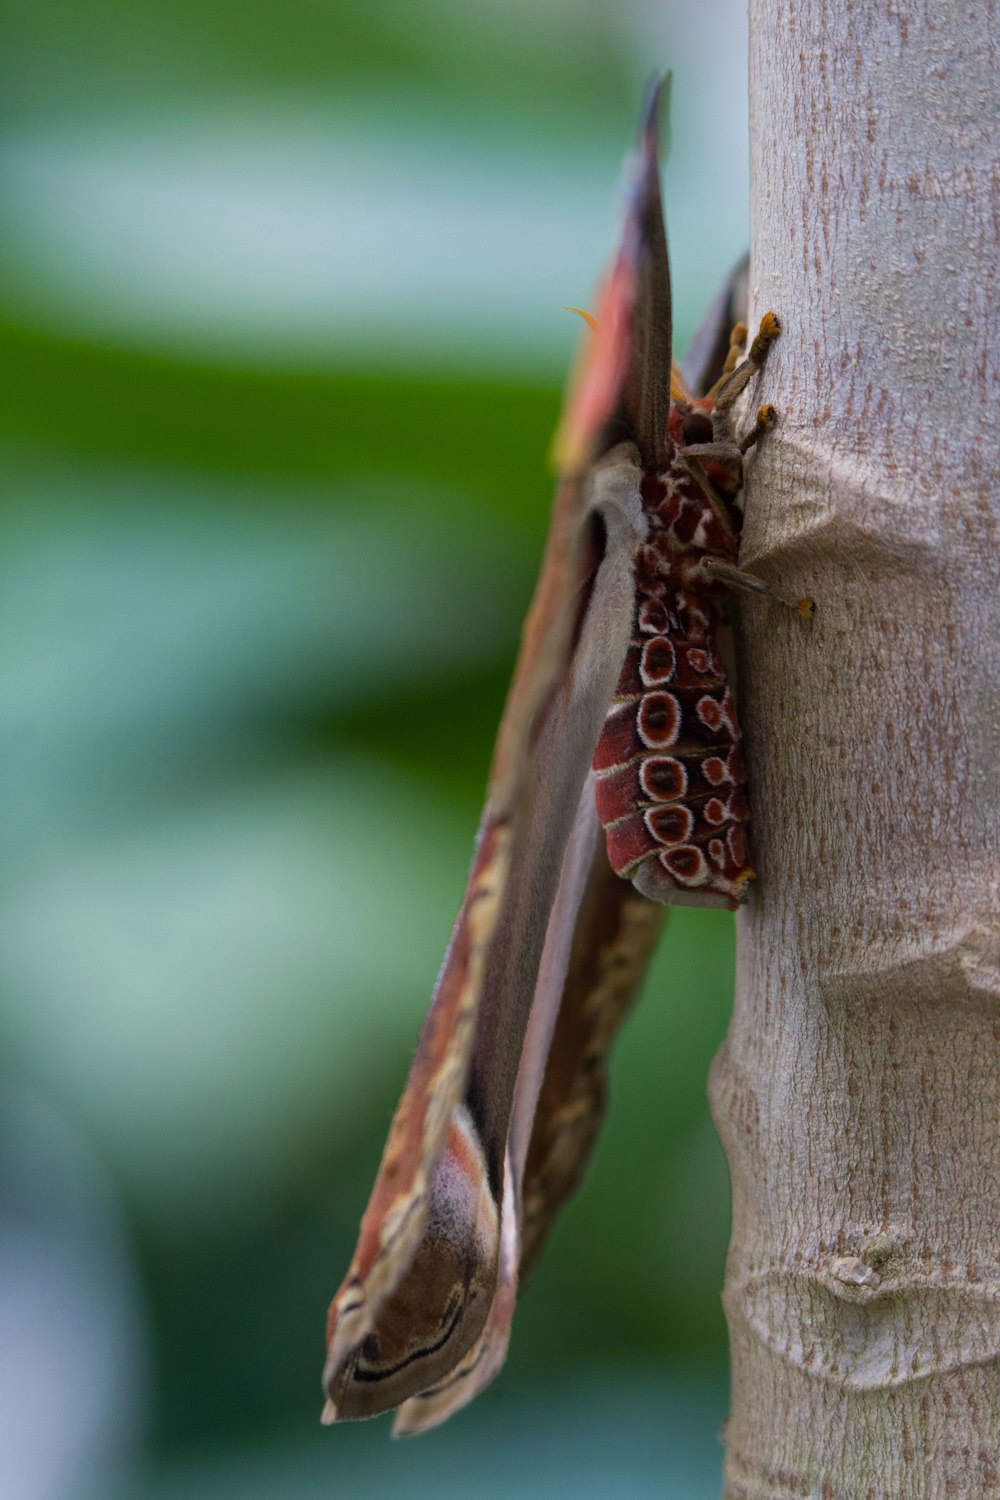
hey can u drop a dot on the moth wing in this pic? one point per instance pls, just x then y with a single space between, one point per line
613 939
429 1261
709 346
484 1361
601 935
424 1274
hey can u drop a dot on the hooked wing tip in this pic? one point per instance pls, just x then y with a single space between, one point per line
647 151
621 384
657 91
646 394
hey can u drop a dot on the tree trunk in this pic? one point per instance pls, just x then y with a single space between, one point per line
858 1094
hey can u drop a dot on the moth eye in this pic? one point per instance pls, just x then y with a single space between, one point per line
697 427
659 719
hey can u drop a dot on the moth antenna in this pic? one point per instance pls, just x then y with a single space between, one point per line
737 344
679 390
590 322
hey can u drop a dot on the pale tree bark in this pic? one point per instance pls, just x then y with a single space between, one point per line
858 1094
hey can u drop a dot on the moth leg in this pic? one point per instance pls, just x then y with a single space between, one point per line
726 450
766 417
721 571
727 453
735 383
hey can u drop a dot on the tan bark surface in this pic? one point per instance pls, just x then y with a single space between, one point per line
858 1095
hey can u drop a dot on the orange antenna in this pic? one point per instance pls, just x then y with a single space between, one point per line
585 316
678 385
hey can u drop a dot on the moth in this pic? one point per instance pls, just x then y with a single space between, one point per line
618 715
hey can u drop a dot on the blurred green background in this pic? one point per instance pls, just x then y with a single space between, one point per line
282 305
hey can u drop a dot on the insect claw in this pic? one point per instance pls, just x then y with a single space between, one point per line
767 416
770 328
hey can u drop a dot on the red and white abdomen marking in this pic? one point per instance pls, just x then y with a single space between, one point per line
670 773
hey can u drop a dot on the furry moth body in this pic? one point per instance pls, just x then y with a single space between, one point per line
619 715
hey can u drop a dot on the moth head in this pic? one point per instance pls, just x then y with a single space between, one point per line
690 423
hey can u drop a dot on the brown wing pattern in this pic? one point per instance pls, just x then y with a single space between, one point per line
615 935
422 1318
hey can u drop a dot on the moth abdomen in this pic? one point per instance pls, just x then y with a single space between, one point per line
668 766
670 775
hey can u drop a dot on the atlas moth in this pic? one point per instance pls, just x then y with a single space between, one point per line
618 715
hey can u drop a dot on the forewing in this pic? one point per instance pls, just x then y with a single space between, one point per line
710 342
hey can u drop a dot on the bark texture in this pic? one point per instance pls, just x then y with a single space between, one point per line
858 1094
